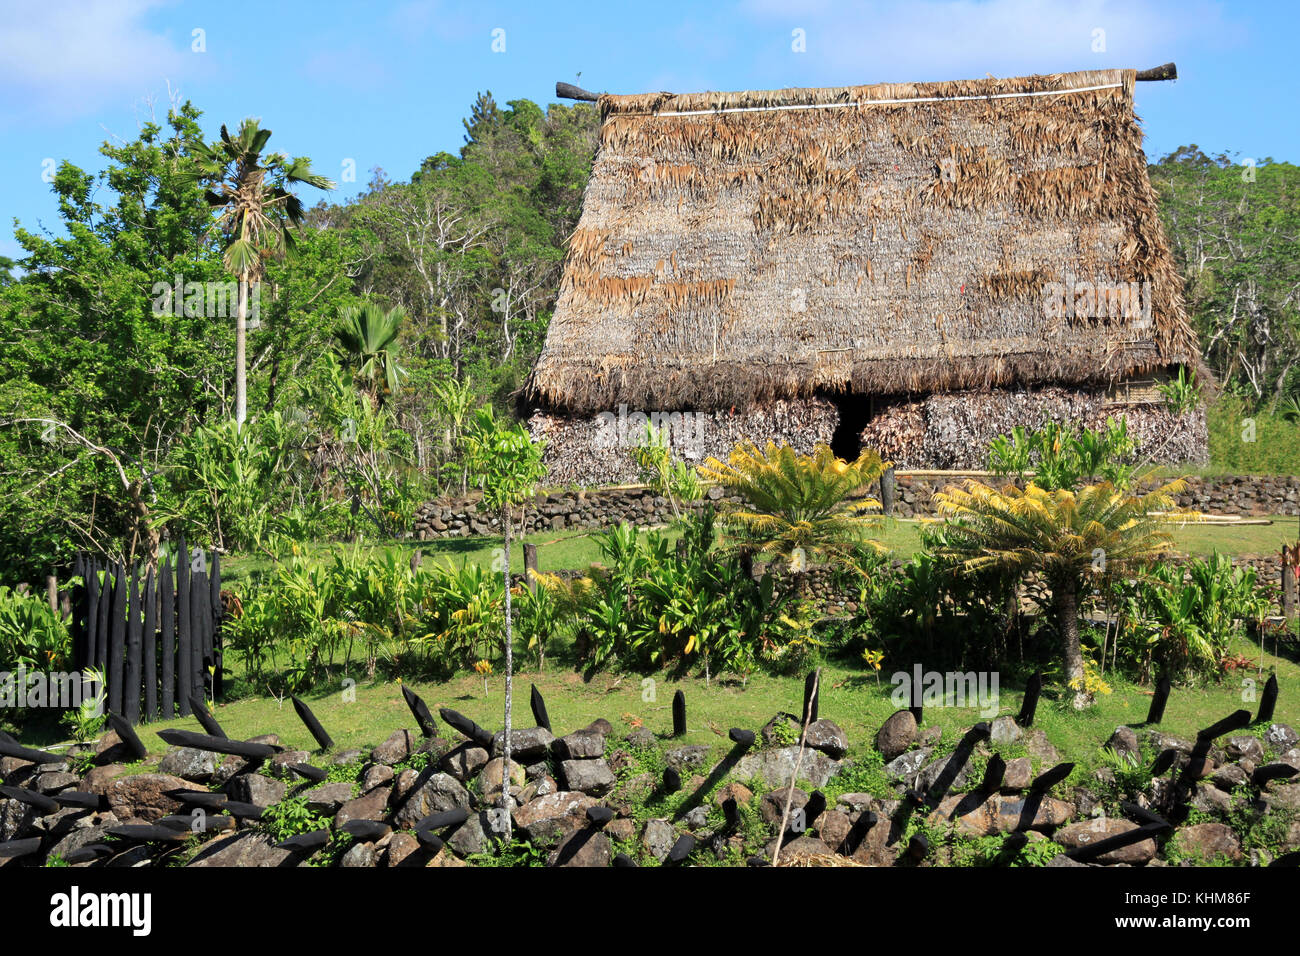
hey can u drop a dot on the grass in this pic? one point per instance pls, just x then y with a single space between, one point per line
853 699
576 549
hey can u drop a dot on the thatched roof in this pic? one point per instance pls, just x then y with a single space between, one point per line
737 247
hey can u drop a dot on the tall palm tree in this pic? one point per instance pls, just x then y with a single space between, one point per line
256 209
368 335
795 507
1063 535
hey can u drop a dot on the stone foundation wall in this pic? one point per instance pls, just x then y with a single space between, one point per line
599 507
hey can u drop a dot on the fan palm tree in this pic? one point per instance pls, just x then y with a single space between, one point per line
368 335
1063 535
256 209
794 507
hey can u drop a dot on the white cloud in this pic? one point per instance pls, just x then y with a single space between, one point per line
61 59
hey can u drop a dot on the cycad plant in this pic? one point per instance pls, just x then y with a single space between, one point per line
795 507
255 210
1061 534
367 336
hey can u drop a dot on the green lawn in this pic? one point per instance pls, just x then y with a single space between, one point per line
850 697
573 549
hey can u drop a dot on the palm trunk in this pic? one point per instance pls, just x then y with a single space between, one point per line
505 768
241 348
1067 619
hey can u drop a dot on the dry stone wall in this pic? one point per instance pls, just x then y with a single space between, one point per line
600 507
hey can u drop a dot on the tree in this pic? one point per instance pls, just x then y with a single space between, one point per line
1232 227
508 465
796 506
1061 534
256 210
368 336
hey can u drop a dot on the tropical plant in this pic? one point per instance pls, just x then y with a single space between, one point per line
367 335
1183 619
1063 535
795 507
1062 455
672 478
31 635
255 210
1181 394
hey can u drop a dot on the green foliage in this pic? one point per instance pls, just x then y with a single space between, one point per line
1186 627
1182 394
796 507
31 635
367 335
86 722
651 605
503 460
670 477
1061 456
1247 441
1232 236
290 817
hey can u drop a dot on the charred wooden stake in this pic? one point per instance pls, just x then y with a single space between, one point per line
1049 778
1268 701
538 704
127 734
1157 711
131 678
1090 851
421 712
184 628
325 741
10 748
467 728
810 695
220 745
117 640
1030 704
205 719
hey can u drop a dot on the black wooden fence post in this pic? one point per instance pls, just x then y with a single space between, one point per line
184 632
887 492
86 654
117 640
105 607
131 683
167 595
150 647
218 615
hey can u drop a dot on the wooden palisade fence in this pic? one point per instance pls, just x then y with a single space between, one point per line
155 633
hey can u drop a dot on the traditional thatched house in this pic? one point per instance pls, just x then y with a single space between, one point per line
916 266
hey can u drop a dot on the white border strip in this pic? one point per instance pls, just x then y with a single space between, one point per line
827 106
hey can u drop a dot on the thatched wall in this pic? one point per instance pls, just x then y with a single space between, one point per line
953 430
597 449
849 241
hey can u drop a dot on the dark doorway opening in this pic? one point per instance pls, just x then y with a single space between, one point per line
855 413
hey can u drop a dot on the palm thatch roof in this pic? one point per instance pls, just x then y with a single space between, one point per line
739 247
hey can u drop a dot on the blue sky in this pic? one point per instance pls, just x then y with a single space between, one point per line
386 84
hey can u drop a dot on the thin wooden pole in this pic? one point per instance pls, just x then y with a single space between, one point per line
798 760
